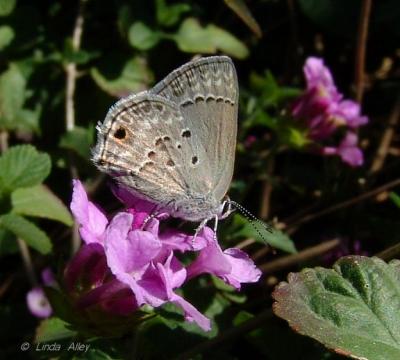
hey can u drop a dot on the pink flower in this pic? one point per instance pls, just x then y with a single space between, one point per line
323 111
232 265
128 262
347 150
36 299
91 220
90 283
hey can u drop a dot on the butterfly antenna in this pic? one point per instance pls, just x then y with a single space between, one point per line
253 219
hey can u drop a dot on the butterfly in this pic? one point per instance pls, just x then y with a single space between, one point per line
174 145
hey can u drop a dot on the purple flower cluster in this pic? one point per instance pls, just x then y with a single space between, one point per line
323 111
128 262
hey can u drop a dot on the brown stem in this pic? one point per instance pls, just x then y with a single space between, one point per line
346 203
71 71
389 253
290 260
71 77
362 36
27 261
267 190
386 139
228 335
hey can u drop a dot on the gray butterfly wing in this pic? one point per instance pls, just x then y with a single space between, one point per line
143 143
206 93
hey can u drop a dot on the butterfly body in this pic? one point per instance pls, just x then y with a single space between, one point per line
174 145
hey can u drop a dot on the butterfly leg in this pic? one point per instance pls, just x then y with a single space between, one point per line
228 211
202 224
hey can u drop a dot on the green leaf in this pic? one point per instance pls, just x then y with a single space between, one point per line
395 198
79 140
8 245
80 56
12 96
27 231
192 37
132 76
52 329
6 36
39 201
142 37
242 10
7 7
243 228
23 166
352 308
169 15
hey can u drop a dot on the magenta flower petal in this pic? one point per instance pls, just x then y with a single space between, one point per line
114 297
128 251
191 313
318 75
87 268
91 220
232 265
349 111
172 273
38 304
243 268
349 151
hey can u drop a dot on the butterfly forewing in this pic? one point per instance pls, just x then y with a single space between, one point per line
206 92
143 144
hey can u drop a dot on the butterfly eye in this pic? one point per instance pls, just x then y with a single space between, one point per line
120 133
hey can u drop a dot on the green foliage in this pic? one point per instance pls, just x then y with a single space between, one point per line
12 94
352 308
395 198
7 7
169 15
52 329
132 76
22 166
27 231
142 37
192 37
40 201
6 36
78 140
260 232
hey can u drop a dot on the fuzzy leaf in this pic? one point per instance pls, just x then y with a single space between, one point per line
6 36
169 15
52 329
142 37
23 166
192 37
132 76
7 7
352 308
27 231
40 201
12 96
